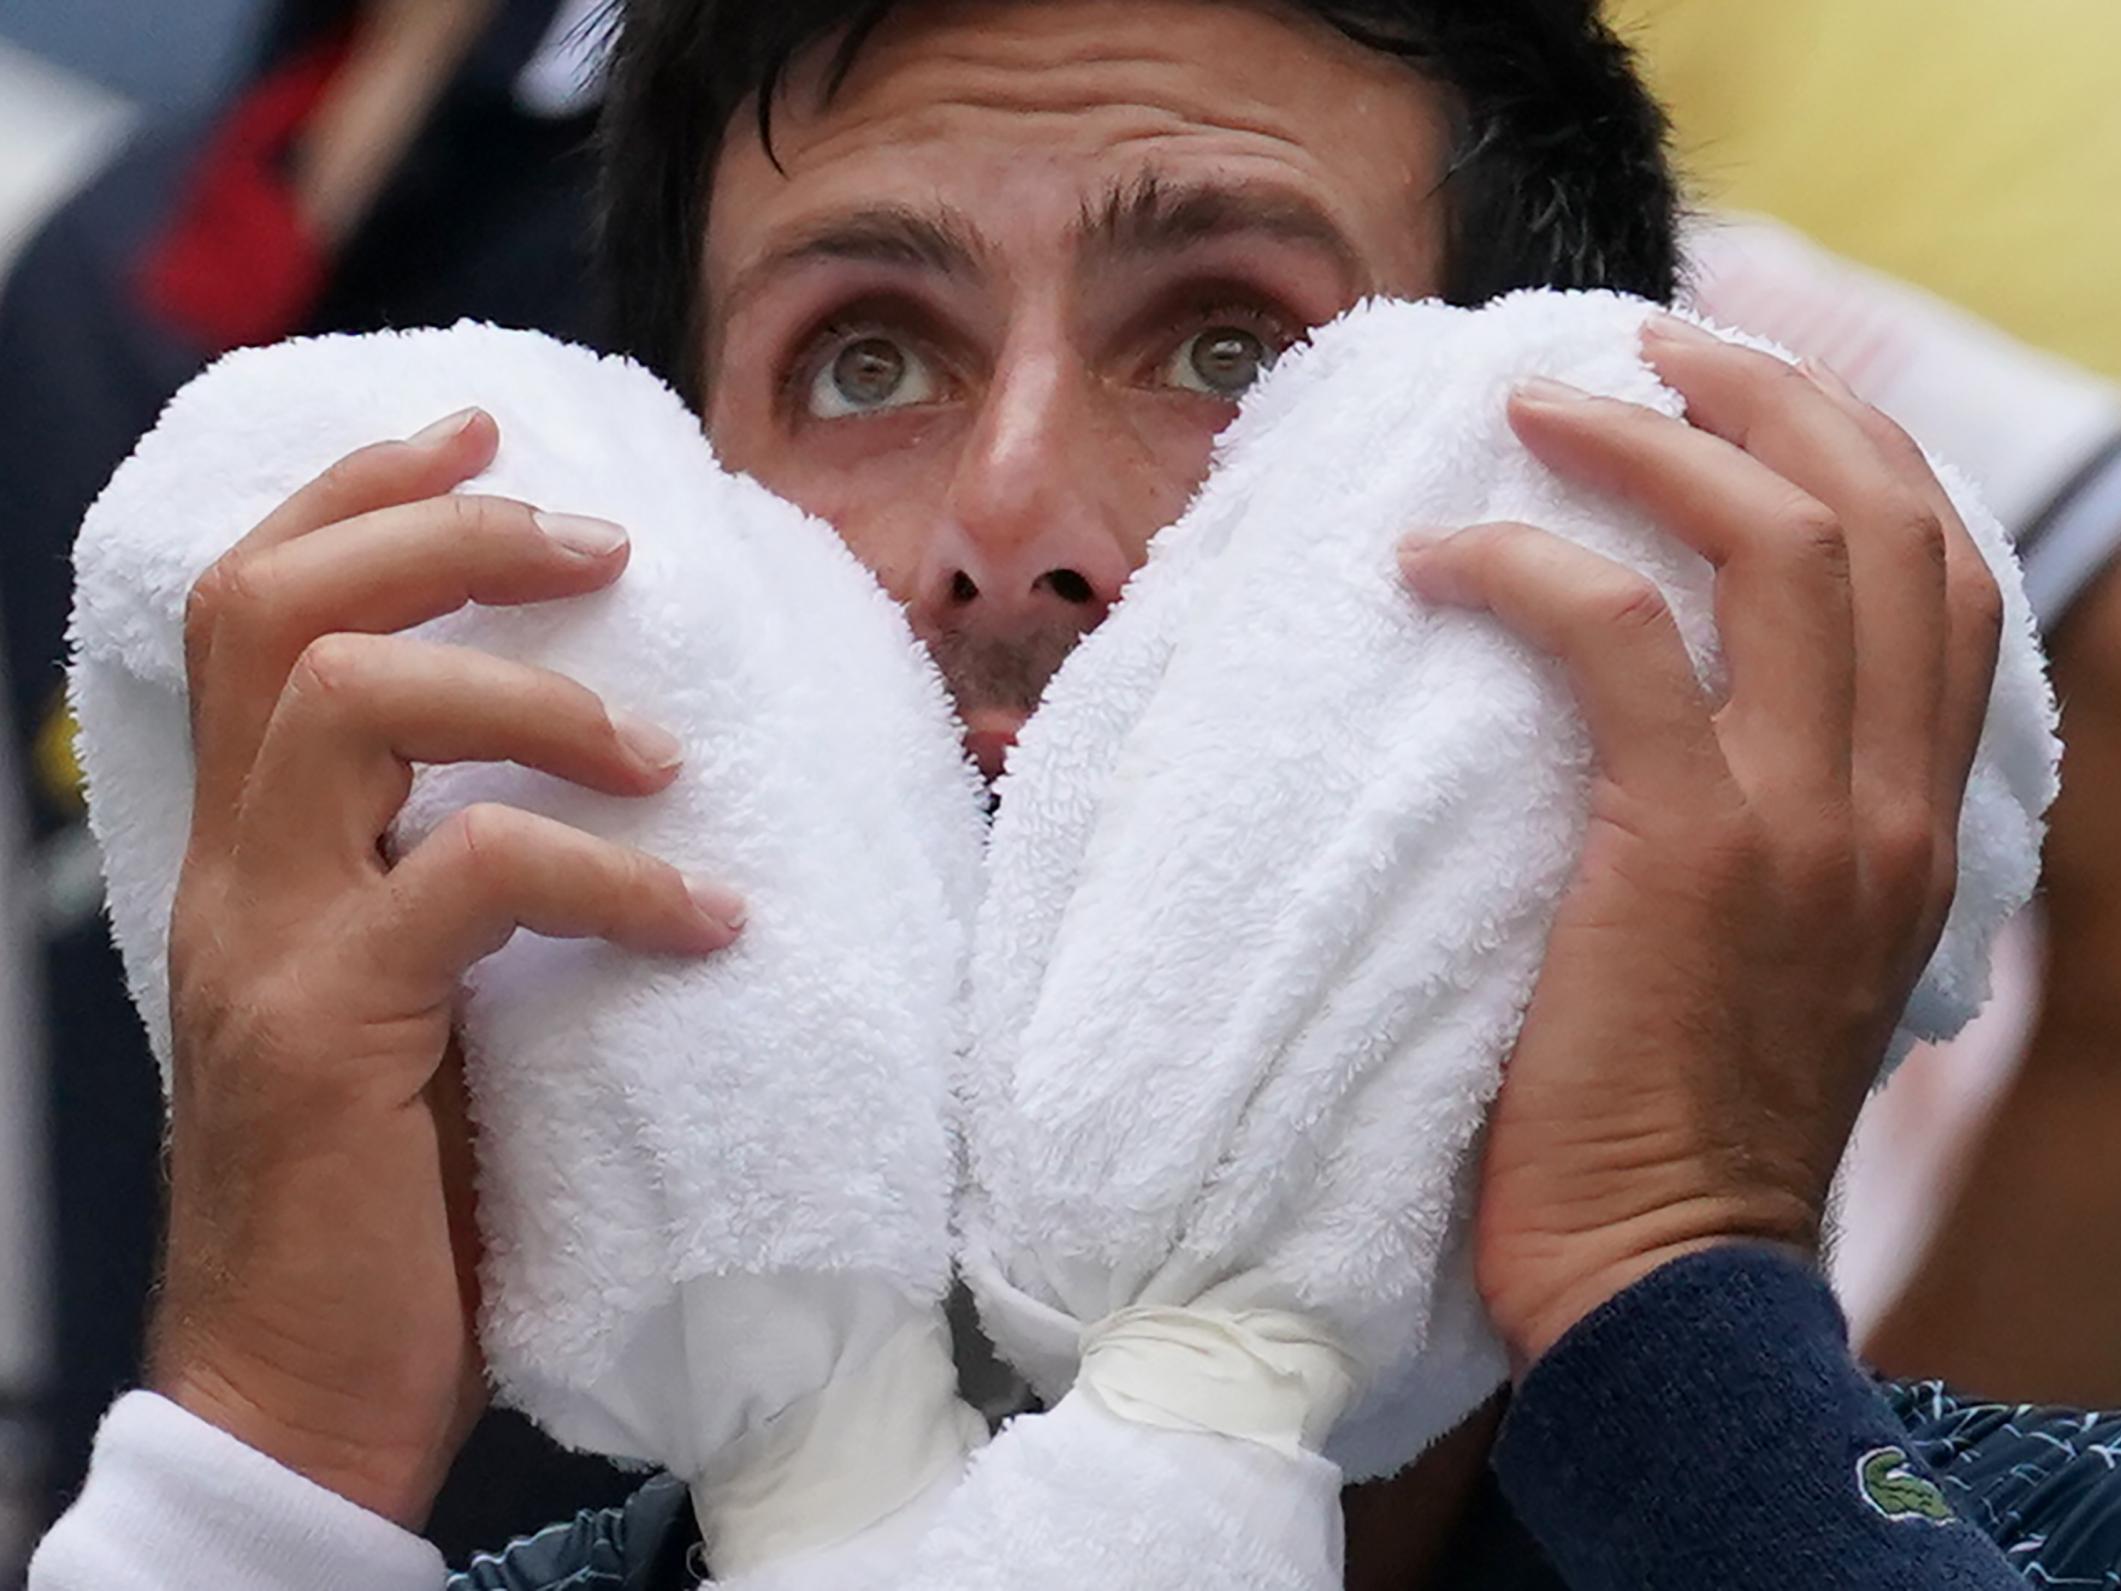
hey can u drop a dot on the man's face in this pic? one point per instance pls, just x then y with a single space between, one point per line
989 314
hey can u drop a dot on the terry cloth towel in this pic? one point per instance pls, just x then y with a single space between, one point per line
1268 890
714 1194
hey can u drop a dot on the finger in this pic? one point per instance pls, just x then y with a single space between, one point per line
1782 585
360 710
1610 630
377 573
435 460
489 870
1894 530
1973 600
402 566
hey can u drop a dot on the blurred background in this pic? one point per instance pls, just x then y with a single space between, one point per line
1918 192
176 180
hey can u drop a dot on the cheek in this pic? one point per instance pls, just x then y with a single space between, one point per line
888 531
886 485
882 486
1172 447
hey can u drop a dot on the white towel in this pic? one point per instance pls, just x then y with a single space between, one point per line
1268 891
714 1194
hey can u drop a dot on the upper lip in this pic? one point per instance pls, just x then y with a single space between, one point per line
989 733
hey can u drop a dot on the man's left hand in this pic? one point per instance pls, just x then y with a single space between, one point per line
1763 879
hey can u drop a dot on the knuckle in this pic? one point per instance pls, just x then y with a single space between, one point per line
228 586
466 515
1736 855
1642 424
334 664
555 697
1917 525
345 476
1980 603
484 836
1498 537
658 881
1813 532
1477 544
1745 366
391 458
1821 854
1783 383
202 612
349 481
203 602
634 886
1903 849
1893 439
1628 602
615 886
490 519
228 600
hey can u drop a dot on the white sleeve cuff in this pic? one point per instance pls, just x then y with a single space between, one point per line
175 1504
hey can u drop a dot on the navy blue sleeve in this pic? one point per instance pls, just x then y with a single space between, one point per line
1709 1427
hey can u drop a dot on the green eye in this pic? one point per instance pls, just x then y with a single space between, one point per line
1222 361
869 374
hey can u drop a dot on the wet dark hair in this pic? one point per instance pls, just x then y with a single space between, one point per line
1560 174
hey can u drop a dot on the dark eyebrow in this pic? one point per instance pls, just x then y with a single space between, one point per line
940 241
1153 215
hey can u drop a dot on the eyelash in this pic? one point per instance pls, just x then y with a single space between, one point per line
841 328
1272 329
830 335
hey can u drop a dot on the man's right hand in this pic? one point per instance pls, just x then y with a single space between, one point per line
318 1292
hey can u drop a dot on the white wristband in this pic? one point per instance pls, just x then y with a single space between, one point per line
173 1503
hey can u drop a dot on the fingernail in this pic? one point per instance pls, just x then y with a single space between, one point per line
444 430
722 907
650 744
588 538
1544 389
1673 329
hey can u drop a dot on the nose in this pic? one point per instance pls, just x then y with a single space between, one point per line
1031 540
1060 574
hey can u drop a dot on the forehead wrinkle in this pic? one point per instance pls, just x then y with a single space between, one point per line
1028 76
1123 117
1150 213
1036 118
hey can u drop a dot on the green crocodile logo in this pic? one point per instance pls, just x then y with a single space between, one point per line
1896 1492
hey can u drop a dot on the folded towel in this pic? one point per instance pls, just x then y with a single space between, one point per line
714 1195
1268 891
1257 935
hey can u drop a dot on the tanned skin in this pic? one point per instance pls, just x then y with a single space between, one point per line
971 319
